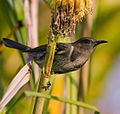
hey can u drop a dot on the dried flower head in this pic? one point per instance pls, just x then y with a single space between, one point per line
65 13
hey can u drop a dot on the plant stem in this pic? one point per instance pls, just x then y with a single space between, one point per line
28 25
69 93
34 21
29 93
74 76
31 21
34 98
45 74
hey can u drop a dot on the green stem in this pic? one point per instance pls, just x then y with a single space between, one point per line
46 102
34 98
84 105
45 75
69 93
74 77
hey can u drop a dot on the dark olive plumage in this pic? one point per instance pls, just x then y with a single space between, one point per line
68 56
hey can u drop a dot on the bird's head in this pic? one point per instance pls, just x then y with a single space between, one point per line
88 44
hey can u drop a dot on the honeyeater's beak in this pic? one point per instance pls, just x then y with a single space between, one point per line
100 42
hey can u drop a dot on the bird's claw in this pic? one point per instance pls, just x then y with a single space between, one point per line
47 86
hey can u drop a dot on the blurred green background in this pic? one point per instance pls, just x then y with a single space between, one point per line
104 90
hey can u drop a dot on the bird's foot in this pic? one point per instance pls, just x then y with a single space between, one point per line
47 86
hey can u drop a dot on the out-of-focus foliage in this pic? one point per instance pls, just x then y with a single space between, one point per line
107 27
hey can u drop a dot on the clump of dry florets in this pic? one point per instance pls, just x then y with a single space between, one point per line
65 13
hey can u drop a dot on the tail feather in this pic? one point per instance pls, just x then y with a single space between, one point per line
13 44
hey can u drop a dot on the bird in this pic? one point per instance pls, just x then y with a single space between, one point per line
68 56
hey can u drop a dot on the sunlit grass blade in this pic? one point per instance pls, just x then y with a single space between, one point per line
73 102
72 91
34 98
69 93
74 76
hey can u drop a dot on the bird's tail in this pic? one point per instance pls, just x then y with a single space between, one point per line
16 45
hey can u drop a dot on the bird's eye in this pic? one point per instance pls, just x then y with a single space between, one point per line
87 41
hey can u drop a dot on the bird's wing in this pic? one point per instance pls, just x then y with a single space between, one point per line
61 48
75 54
39 51
41 48
64 48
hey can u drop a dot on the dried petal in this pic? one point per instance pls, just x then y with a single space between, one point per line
20 79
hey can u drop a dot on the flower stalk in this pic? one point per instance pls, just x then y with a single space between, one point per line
65 13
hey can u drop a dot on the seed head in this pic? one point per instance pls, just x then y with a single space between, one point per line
65 13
